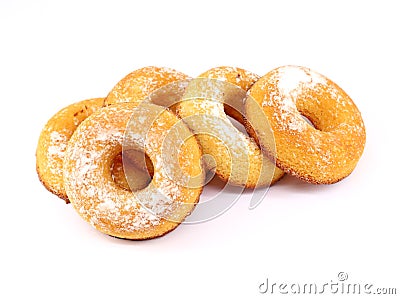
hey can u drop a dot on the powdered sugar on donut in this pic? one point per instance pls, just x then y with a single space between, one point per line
58 144
141 83
293 80
290 83
91 189
56 150
285 112
83 172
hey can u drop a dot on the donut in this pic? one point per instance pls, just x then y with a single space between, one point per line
53 141
140 83
324 151
171 194
204 107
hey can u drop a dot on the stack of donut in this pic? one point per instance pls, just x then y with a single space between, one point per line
133 164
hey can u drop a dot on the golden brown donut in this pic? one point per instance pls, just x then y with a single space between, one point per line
205 105
141 83
53 142
173 191
322 153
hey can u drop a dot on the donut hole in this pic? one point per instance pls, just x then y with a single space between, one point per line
323 111
308 120
236 118
237 125
311 112
315 118
132 170
211 163
140 160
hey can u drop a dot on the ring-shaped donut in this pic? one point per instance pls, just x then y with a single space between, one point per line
208 100
164 203
53 141
323 152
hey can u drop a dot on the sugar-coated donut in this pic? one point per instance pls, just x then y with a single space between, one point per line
159 207
53 142
322 153
141 83
205 105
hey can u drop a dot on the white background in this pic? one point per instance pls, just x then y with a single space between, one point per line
55 53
